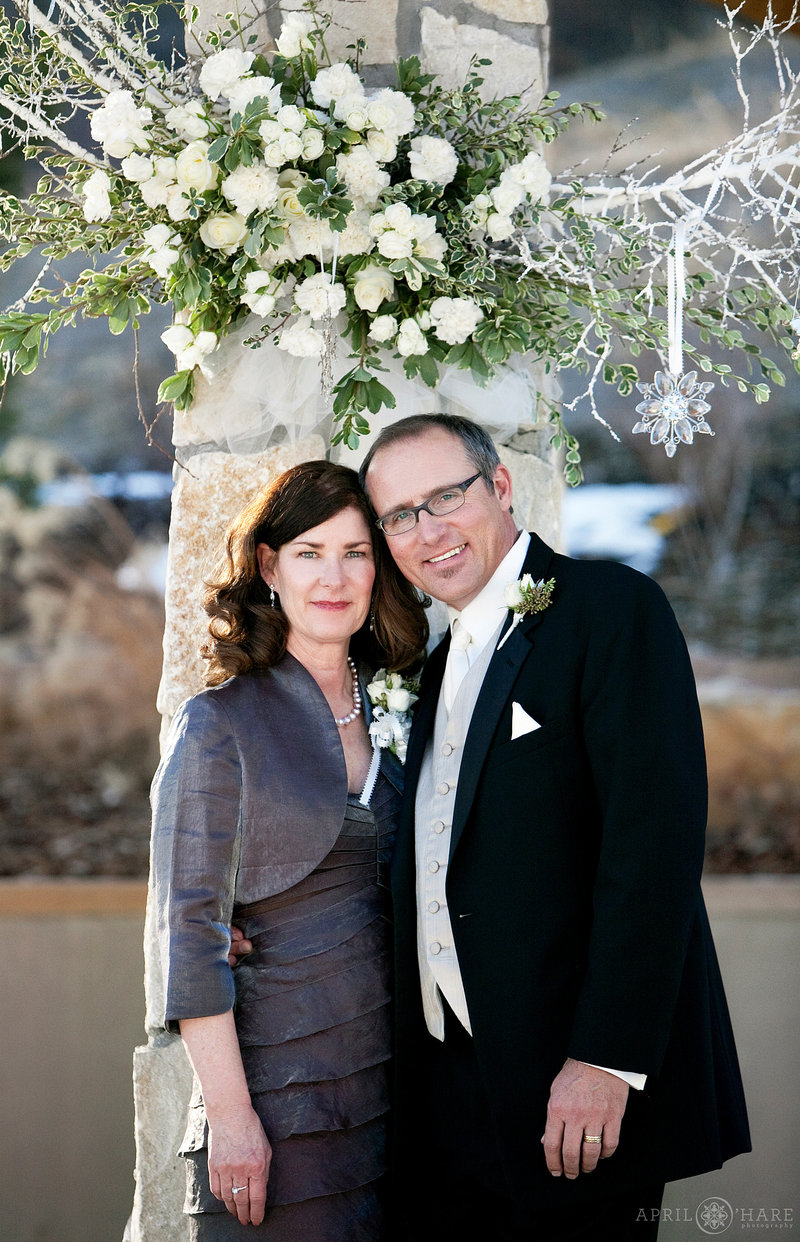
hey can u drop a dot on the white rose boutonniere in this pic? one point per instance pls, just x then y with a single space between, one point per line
526 596
392 698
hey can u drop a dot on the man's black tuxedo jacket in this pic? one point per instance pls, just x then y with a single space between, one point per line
573 884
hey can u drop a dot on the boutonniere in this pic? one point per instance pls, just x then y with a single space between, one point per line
392 697
526 596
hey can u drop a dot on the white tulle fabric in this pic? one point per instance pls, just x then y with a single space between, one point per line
258 397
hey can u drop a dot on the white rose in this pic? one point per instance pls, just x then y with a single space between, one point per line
392 111
316 296
352 109
399 216
382 146
225 231
176 202
273 155
270 132
432 159
399 700
290 117
506 197
97 203
259 293
243 92
313 143
288 204
393 245
222 71
293 38
363 176
479 208
377 686
512 594
291 145
333 83
410 339
455 319
193 168
187 121
120 126
137 167
301 340
383 328
371 286
499 227
161 251
251 187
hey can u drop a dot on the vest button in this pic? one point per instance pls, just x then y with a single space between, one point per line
433 907
436 948
443 788
433 867
439 826
448 748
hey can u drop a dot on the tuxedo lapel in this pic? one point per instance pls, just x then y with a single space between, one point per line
495 693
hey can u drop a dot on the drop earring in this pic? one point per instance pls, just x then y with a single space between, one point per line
272 595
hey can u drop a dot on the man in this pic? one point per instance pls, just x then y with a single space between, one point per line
563 1043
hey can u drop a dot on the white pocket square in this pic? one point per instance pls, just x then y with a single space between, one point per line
521 722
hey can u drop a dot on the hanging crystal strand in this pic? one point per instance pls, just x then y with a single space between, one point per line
328 335
674 406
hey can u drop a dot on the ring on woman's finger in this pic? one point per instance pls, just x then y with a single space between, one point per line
237 1190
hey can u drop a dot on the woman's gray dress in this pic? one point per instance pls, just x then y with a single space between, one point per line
312 1015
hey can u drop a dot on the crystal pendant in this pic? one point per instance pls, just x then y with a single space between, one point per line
673 410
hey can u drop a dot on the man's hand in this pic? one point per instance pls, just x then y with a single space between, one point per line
583 1101
239 946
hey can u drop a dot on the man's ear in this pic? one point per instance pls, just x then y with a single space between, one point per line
502 486
266 561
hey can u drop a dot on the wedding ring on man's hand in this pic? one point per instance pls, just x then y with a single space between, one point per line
592 1138
237 1190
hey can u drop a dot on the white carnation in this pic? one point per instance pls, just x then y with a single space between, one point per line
225 231
394 245
120 126
410 339
455 319
243 92
498 226
355 237
187 121
190 350
259 295
383 328
301 340
392 111
270 131
293 38
97 203
316 296
252 187
161 249
310 236
399 216
371 286
506 196
333 83
433 247
399 700
363 176
534 176
222 71
512 594
176 201
433 159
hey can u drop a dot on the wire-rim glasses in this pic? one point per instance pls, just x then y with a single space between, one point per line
438 505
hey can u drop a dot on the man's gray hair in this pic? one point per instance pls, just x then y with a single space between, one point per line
477 442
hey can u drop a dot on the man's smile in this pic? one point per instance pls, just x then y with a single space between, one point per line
445 556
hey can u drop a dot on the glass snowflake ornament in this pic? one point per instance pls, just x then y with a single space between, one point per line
673 410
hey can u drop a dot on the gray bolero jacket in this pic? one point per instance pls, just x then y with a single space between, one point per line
248 799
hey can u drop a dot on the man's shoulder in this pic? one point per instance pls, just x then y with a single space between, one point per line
603 580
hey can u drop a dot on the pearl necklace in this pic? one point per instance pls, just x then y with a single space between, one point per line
341 721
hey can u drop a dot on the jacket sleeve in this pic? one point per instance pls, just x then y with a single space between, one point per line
196 801
643 737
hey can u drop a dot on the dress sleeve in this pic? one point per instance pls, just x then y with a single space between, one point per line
644 741
196 801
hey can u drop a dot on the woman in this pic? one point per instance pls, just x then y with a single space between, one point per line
260 816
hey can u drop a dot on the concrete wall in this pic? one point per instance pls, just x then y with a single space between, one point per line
71 982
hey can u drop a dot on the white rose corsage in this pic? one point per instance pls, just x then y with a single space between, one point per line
392 698
526 596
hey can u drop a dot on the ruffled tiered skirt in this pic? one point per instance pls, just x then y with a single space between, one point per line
312 1015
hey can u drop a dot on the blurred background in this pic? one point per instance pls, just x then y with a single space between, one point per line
85 480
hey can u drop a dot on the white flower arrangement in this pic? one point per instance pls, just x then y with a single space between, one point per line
276 185
392 697
525 597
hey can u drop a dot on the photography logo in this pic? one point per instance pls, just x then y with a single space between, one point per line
714 1215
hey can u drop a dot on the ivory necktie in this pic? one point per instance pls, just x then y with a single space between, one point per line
457 666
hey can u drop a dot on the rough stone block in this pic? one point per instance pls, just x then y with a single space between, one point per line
448 47
359 19
537 490
533 12
162 1080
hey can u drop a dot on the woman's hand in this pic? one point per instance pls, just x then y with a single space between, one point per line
239 1157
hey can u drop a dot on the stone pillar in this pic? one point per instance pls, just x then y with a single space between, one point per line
221 467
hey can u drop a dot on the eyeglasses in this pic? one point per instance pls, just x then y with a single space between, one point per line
446 501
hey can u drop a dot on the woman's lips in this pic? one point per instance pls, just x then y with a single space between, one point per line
331 605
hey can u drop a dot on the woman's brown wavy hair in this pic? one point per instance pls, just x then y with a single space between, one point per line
247 633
